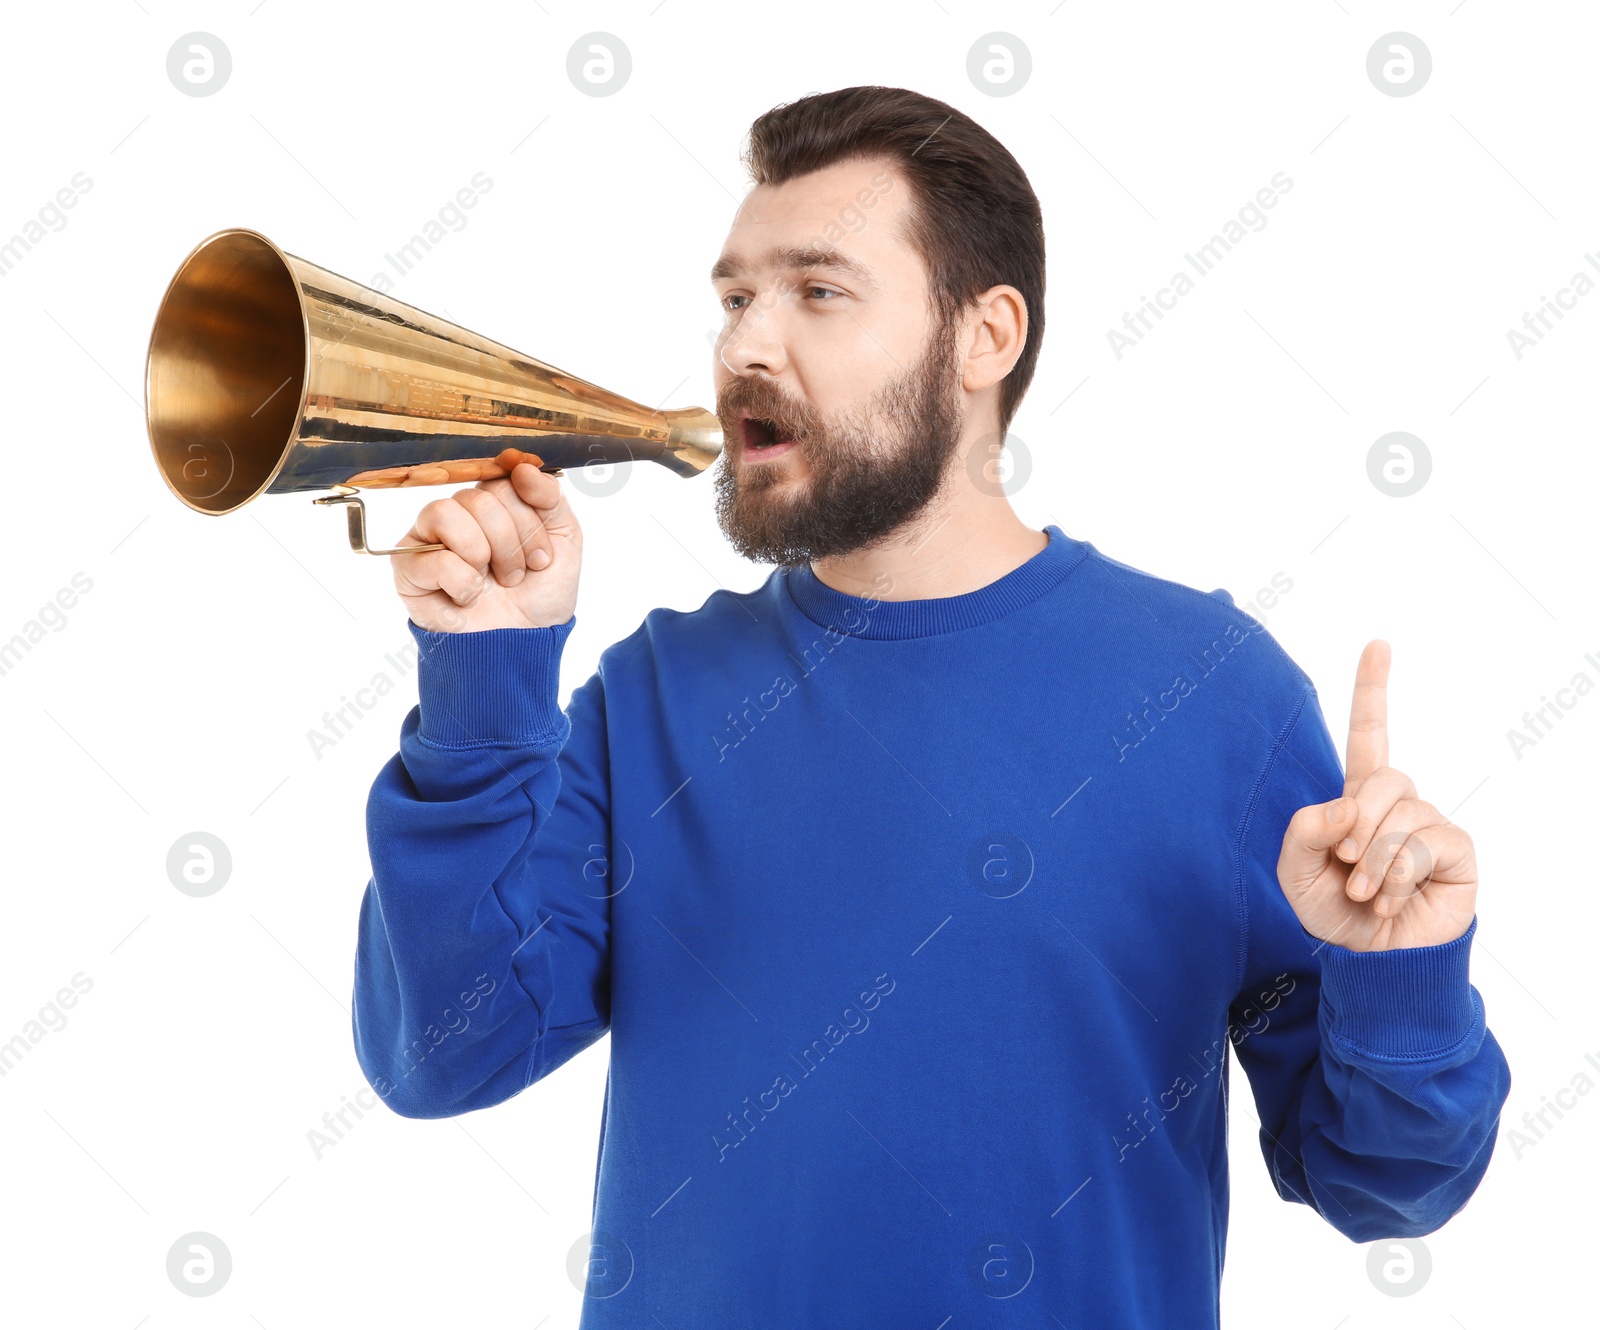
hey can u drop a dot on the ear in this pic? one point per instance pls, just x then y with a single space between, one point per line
996 328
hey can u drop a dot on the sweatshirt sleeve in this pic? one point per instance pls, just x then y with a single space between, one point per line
1376 1080
482 957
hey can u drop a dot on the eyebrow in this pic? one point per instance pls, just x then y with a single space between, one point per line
791 257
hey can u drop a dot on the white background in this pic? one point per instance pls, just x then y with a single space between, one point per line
1228 446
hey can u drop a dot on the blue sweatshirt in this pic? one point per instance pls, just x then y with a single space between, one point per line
922 930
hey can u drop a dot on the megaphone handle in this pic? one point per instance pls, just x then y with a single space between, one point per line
434 473
356 519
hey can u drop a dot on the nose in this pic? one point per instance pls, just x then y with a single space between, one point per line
754 344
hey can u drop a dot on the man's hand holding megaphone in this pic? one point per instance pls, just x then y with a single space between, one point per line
512 556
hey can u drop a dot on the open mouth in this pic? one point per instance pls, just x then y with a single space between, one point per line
763 436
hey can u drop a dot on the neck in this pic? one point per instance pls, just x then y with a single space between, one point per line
962 541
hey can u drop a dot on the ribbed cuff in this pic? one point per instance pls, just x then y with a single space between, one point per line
1409 1003
495 686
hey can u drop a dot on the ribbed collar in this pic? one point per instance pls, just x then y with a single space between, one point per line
863 616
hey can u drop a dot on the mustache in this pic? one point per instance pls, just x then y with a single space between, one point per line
763 401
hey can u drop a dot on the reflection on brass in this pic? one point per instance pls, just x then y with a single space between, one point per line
269 375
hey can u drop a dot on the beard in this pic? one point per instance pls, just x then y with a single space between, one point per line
869 471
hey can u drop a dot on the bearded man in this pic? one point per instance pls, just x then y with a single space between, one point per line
925 889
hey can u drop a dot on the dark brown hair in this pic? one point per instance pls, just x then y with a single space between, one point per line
973 216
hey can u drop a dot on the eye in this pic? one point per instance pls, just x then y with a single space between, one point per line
826 290
733 308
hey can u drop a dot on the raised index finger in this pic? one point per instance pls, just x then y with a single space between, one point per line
1367 749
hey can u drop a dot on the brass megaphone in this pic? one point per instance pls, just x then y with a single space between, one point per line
269 375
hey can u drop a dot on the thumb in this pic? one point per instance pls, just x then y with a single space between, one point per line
1312 832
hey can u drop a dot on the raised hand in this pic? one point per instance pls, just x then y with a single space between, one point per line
1377 868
